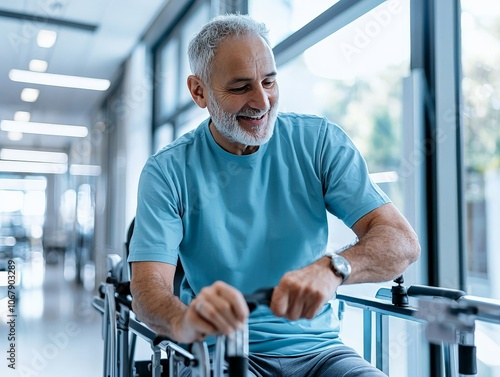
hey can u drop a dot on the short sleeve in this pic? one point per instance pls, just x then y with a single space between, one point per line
158 226
349 193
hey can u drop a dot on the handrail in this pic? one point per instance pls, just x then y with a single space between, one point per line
454 324
487 310
479 308
381 306
429 291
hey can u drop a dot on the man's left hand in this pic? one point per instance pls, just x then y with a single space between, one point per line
302 293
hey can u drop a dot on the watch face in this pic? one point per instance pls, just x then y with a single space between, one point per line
341 266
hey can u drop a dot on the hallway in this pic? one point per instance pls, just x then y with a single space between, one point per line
57 331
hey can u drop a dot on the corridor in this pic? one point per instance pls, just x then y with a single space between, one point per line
57 332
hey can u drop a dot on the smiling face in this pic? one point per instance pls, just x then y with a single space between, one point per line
242 96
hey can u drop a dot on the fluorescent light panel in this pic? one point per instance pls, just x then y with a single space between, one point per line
30 94
15 136
32 167
44 128
46 38
38 65
30 155
93 170
22 116
52 79
25 184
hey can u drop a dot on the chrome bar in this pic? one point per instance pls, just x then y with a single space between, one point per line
367 335
110 329
487 310
382 307
156 367
220 351
382 342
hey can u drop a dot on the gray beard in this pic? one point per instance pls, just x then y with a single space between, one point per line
228 126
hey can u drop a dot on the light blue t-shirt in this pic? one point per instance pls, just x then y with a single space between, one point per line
247 220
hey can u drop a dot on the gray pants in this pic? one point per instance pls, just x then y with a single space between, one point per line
339 361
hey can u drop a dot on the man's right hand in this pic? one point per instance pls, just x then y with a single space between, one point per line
217 309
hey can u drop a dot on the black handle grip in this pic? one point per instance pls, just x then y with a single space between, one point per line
424 290
237 366
259 297
467 362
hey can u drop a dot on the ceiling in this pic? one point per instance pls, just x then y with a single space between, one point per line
94 37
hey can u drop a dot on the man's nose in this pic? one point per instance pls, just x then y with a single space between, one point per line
259 99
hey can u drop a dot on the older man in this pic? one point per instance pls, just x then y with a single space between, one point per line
242 201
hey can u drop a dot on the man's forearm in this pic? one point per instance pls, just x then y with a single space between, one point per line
383 252
382 255
155 305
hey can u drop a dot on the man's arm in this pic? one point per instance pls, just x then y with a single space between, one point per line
387 246
218 309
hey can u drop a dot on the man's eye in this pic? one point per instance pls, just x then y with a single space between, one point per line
268 84
240 89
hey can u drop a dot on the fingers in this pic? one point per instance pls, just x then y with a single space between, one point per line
302 293
296 302
220 308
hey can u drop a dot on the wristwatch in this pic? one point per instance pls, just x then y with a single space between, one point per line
340 266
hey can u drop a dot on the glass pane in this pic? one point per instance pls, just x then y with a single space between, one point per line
169 78
358 85
163 135
481 122
192 26
481 98
284 17
191 119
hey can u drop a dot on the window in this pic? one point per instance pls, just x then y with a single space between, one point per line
172 70
481 123
284 17
481 120
357 87
169 78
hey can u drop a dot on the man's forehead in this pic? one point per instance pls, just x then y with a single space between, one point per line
243 56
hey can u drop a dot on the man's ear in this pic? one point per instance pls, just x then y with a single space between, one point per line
197 90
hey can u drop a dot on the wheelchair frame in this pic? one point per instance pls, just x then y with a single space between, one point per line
120 329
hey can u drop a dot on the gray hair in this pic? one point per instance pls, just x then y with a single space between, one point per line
203 46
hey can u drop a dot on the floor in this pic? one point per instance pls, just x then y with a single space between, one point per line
57 332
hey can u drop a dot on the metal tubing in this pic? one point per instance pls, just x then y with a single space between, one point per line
367 335
382 336
156 362
110 330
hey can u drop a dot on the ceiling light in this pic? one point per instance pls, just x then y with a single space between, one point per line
14 136
44 128
29 155
64 81
38 65
22 116
46 38
32 167
26 184
93 170
30 94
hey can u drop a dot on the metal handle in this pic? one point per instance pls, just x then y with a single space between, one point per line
259 297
